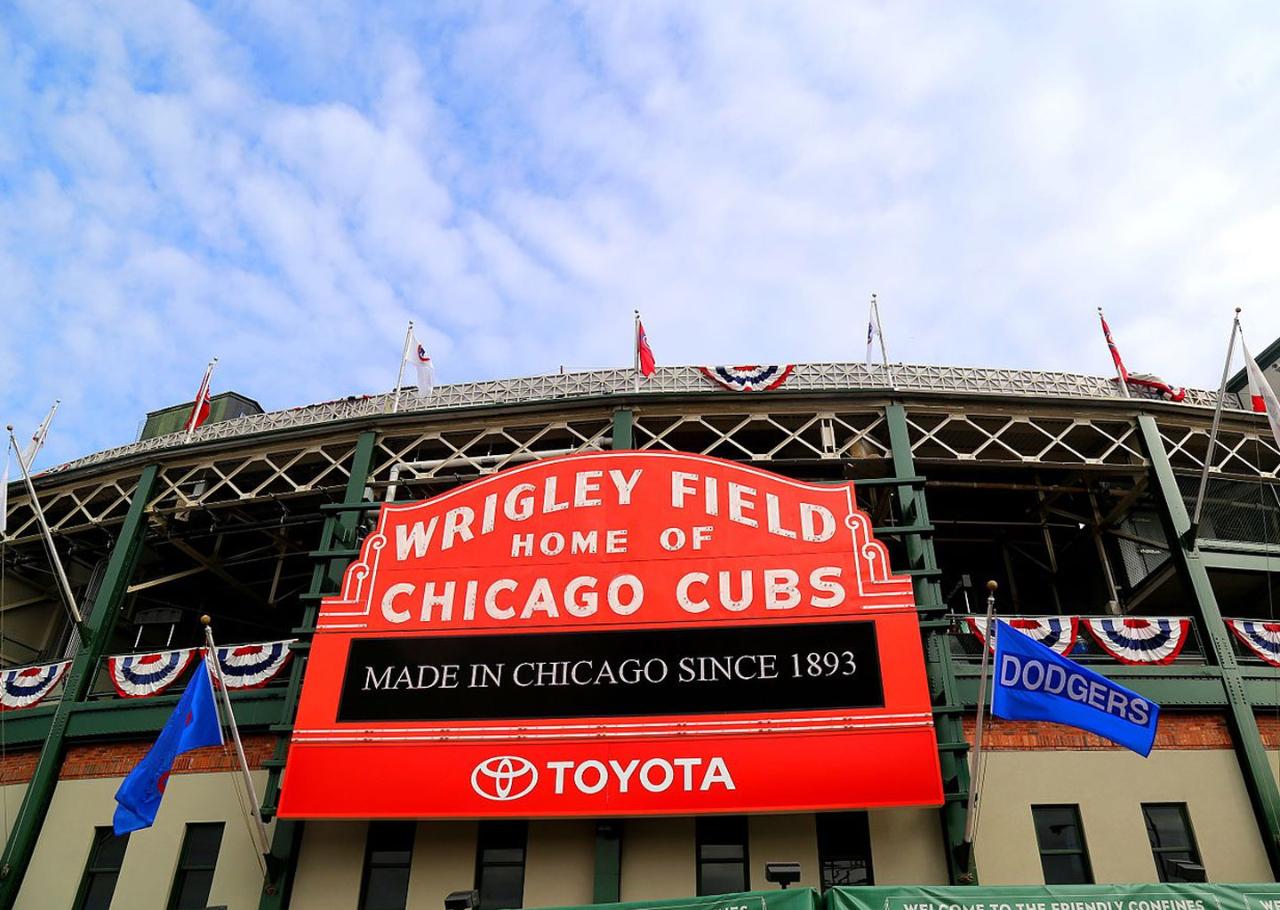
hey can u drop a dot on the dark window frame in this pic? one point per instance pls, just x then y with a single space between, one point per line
1082 851
1158 852
185 867
496 835
854 842
101 836
708 833
370 864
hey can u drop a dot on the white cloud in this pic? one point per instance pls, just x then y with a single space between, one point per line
285 183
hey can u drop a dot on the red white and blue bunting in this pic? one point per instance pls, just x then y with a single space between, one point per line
23 687
140 675
252 666
1056 632
1262 638
749 378
1135 640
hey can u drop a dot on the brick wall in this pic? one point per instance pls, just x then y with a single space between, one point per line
1269 727
1176 731
118 759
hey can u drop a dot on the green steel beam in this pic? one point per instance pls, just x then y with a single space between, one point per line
1202 689
99 625
339 531
622 429
923 567
1258 779
1240 562
607 875
607 881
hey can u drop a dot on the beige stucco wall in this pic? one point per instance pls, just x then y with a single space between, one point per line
1109 788
330 862
444 860
906 847
151 858
783 838
560 864
658 858
10 803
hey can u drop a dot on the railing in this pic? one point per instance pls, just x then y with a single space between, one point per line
966 648
806 377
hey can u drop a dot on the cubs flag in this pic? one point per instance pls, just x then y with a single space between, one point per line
645 362
425 367
193 724
1034 683
1262 397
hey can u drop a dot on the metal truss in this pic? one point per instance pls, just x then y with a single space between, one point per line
1237 452
764 433
91 503
988 435
806 377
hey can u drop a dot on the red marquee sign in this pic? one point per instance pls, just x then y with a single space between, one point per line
620 633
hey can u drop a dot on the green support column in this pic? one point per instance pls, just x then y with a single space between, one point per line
607 879
1258 779
338 530
622 422
947 710
99 625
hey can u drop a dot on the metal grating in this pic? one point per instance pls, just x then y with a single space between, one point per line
807 377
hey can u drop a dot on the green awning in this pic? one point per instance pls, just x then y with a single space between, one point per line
1057 897
777 899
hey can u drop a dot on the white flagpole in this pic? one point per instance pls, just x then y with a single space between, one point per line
404 356
38 438
970 815
884 352
211 662
635 343
202 395
63 585
1189 539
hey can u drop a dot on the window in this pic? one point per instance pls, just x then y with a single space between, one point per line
1169 830
100 873
387 857
500 864
195 867
722 854
1063 854
844 849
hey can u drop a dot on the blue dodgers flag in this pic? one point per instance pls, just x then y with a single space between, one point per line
1035 683
194 723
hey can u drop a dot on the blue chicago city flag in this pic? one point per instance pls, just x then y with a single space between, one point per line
194 723
1035 683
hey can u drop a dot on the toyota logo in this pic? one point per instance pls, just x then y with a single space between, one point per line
504 777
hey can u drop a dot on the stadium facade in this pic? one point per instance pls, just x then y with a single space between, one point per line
1075 499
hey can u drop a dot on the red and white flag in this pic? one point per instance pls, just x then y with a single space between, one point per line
645 363
1262 397
1115 353
200 407
425 367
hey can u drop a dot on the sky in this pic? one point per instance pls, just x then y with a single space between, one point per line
284 184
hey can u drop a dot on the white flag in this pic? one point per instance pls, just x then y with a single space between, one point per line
417 355
1262 396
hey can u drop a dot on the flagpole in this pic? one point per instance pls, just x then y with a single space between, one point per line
884 352
63 585
635 374
871 312
38 438
404 355
1189 539
203 394
970 816
1121 373
214 667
